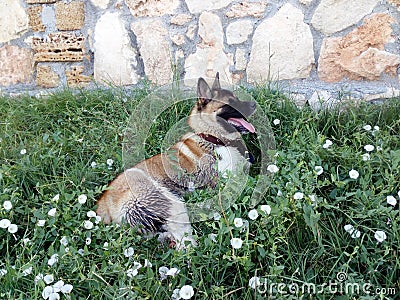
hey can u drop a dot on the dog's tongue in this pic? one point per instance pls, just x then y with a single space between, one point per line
243 123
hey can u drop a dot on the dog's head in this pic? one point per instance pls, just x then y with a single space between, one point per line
219 112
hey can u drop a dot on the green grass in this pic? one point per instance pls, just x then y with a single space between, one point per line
300 242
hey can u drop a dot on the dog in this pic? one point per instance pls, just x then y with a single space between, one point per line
149 195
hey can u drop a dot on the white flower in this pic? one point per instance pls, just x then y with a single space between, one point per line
367 127
236 243
266 208
355 234
398 193
64 241
48 279
319 170
66 289
88 241
47 291
91 214
3 272
379 148
354 174
82 199
23 151
41 223
276 121
132 272
213 237
7 205
366 157
105 245
348 228
26 240
57 286
313 198
327 144
27 271
66 249
191 186
186 292
272 168
172 272
12 228
254 282
369 148
52 212
380 236
163 272
53 259
98 219
238 222
147 263
217 216
4 223
56 197
110 162
376 128
88 224
253 214
81 251
298 196
391 200
38 277
129 252
175 294
54 296
279 193
93 164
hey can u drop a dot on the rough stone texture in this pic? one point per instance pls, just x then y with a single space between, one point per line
282 47
178 39
390 93
395 3
13 20
180 19
306 2
240 59
103 4
209 57
16 65
151 8
335 15
196 6
191 31
40 1
46 78
59 47
245 8
210 30
70 16
238 31
154 49
110 36
360 54
35 19
75 78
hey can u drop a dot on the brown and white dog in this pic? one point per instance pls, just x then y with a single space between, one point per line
149 195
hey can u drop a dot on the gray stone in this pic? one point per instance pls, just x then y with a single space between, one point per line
196 6
14 20
238 31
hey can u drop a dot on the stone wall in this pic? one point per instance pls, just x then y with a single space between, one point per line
311 48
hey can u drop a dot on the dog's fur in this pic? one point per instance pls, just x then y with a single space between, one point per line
149 195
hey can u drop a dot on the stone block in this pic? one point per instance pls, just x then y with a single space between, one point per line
247 9
16 65
180 19
151 8
75 78
13 20
237 32
35 20
58 47
361 53
70 16
46 78
196 6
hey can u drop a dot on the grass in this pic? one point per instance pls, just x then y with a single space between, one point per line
299 243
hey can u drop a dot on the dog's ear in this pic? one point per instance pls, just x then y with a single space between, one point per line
216 85
203 93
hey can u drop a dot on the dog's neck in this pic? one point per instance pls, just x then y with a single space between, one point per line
211 139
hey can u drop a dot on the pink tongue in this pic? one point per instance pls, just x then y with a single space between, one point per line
244 123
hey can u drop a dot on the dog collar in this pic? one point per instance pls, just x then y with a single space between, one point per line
210 138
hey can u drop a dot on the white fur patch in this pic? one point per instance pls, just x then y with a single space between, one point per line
229 159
